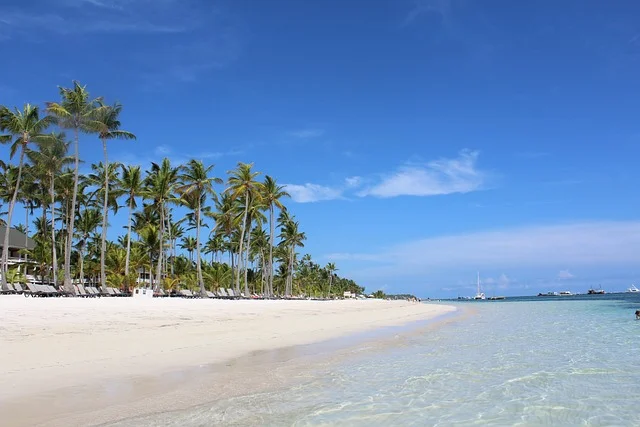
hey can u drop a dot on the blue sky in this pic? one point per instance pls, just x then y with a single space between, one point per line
422 140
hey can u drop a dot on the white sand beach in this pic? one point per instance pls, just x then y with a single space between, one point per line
52 349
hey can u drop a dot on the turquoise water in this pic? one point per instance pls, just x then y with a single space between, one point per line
560 362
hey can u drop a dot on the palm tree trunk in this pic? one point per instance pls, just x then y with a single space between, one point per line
244 226
271 238
246 263
68 285
126 262
198 260
105 210
81 261
291 270
330 282
54 258
161 248
5 246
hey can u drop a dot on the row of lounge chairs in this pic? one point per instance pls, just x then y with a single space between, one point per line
222 293
34 290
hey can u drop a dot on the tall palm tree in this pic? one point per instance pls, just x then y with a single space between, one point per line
291 239
75 111
27 126
226 223
272 193
131 184
331 270
49 160
88 222
214 245
197 183
254 213
189 244
242 184
160 186
105 176
107 125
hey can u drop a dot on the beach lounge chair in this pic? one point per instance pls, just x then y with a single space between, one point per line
9 291
186 293
18 288
84 292
222 293
230 293
211 294
160 293
94 291
34 290
80 292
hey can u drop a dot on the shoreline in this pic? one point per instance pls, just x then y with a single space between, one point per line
118 350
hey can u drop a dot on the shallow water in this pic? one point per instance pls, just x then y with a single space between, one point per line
529 362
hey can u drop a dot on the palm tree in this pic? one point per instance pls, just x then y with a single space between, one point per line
254 213
49 160
331 270
88 221
161 182
105 174
291 239
199 185
75 111
226 223
271 195
27 127
107 126
214 245
242 183
190 245
131 184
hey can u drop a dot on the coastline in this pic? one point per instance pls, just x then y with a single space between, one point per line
99 360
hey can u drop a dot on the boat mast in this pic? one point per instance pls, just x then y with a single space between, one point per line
478 293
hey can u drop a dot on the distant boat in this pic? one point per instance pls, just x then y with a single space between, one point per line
565 293
548 294
633 289
495 298
598 291
479 295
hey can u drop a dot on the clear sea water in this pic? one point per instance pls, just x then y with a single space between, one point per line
565 361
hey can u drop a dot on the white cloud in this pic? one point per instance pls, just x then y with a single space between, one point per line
353 181
308 193
438 177
162 150
589 244
565 274
307 133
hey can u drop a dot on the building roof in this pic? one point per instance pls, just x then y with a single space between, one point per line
16 239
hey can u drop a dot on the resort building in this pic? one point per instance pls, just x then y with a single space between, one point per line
17 242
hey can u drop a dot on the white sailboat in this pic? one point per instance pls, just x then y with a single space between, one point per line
633 289
479 295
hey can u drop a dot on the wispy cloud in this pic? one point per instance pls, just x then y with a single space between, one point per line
443 176
564 275
307 133
438 177
308 193
441 8
214 38
167 151
588 244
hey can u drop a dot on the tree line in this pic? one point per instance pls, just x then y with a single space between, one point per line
250 240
